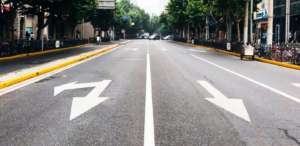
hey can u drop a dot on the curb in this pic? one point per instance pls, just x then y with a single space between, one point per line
256 58
46 70
39 53
101 43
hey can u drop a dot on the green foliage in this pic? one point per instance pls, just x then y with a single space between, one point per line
154 25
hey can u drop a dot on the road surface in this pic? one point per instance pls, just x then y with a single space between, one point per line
156 93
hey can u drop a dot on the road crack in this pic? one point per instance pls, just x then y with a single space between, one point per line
289 136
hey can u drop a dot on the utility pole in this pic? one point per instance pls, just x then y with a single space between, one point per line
270 23
246 22
251 21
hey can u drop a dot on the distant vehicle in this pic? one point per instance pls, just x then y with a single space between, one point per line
143 37
167 37
151 37
154 37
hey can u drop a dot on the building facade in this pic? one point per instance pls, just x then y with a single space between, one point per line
261 21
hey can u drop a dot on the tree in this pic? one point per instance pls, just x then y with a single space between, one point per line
154 25
72 11
195 13
10 14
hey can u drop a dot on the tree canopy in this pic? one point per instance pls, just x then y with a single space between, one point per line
193 12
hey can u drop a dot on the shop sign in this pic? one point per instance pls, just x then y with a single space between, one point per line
262 15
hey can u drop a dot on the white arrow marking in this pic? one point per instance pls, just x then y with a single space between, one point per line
69 86
164 49
196 50
235 106
82 104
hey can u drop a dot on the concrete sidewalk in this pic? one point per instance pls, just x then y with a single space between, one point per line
15 65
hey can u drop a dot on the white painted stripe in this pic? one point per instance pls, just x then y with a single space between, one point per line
213 91
149 121
184 51
40 77
296 84
251 80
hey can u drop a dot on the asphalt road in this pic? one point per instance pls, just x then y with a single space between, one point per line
157 93
8 66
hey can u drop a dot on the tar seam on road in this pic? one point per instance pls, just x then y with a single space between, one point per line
149 121
251 80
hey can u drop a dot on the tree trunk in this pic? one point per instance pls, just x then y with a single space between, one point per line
227 28
217 32
196 31
41 17
238 31
246 22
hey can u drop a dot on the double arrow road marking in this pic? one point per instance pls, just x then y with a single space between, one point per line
81 105
234 106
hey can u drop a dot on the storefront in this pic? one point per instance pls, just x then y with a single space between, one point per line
295 18
261 19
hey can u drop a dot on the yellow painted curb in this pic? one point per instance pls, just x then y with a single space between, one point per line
179 42
39 53
46 70
102 43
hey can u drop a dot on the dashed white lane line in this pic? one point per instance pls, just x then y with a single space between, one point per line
251 80
149 121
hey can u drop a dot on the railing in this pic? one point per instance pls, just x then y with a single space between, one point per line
25 46
282 53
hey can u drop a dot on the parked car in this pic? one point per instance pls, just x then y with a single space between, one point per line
167 37
151 37
155 37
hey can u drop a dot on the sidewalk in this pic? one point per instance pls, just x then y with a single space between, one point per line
15 65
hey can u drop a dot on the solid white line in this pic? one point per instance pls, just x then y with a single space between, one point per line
213 91
251 80
296 84
35 79
149 121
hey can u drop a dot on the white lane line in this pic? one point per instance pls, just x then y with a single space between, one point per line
296 84
149 121
251 80
184 51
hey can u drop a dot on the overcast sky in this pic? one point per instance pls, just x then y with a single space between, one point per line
151 6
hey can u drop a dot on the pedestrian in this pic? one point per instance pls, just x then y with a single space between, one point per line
290 36
27 35
31 36
295 36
